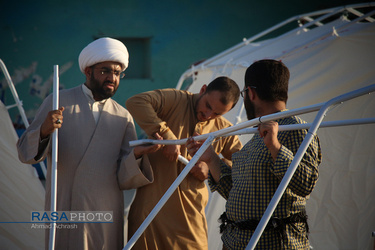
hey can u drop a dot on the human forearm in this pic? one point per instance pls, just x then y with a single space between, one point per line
224 184
268 131
209 157
214 166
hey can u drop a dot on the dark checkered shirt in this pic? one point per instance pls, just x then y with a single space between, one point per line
250 185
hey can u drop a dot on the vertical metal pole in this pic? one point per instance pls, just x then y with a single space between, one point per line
55 106
169 192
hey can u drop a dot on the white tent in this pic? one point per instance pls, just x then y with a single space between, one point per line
331 54
21 192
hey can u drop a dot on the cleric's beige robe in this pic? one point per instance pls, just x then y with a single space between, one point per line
94 164
181 223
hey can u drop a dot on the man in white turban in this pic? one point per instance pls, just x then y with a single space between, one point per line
95 162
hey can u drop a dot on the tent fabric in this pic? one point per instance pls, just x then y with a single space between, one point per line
324 62
21 192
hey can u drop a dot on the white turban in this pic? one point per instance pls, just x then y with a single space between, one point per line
102 50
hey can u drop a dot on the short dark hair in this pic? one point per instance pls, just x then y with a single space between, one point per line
229 89
270 78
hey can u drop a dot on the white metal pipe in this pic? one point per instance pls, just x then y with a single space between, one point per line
297 158
11 106
14 93
236 127
255 130
329 124
169 192
55 106
183 77
19 105
358 13
183 159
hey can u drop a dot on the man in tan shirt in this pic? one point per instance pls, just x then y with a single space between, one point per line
175 114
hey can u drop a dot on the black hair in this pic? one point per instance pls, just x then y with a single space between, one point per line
229 89
269 78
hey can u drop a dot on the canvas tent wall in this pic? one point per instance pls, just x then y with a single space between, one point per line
331 53
21 192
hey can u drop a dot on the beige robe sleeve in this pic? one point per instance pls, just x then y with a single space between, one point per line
147 108
30 149
133 173
134 177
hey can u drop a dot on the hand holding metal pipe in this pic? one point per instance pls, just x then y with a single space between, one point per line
54 120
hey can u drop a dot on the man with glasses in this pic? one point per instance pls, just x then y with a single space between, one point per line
177 114
95 162
249 185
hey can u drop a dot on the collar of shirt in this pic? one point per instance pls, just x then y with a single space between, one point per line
95 106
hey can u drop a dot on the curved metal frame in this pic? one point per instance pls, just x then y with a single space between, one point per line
323 108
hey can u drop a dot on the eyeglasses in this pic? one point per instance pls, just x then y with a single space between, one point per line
243 92
246 89
108 72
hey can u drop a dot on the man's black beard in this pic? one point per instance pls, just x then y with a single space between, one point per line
250 109
98 91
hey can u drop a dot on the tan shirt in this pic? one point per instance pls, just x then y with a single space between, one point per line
181 223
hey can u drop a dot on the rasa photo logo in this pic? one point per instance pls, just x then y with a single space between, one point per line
72 217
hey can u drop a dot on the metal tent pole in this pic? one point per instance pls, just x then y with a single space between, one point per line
55 106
